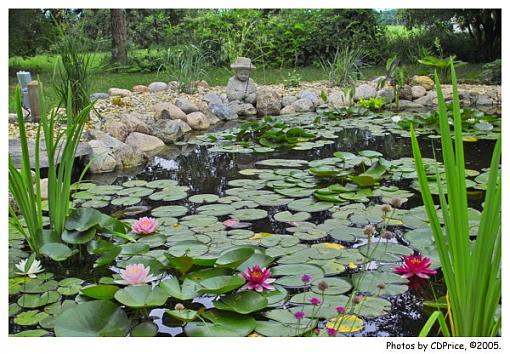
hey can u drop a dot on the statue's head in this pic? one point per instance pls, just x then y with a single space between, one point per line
242 67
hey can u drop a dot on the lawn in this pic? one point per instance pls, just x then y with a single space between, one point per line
42 67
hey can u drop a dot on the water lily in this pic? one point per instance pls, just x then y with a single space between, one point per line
306 278
258 278
136 274
145 226
299 315
314 301
415 266
235 224
396 119
29 267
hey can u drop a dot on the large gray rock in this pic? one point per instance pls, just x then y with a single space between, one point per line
116 129
102 158
387 94
169 130
288 100
197 121
144 142
418 91
157 86
168 111
288 110
406 93
222 111
136 122
99 96
213 98
427 100
268 102
242 109
406 104
310 95
119 92
186 105
364 91
303 105
484 100
337 99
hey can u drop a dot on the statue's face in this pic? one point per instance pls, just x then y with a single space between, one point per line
243 74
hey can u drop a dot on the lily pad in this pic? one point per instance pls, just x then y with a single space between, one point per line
140 296
249 214
221 284
169 211
286 216
204 198
187 291
243 302
221 324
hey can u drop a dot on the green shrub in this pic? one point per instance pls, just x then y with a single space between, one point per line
185 64
373 103
491 72
345 67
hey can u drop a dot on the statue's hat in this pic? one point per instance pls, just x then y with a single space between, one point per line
242 63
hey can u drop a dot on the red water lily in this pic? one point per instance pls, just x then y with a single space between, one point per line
415 266
258 278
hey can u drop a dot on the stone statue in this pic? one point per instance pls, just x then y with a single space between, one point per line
241 87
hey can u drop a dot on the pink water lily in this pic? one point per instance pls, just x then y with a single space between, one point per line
258 278
145 226
415 266
235 224
136 274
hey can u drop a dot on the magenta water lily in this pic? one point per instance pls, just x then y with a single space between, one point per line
258 278
416 266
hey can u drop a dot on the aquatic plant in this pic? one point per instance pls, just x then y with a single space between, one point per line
61 150
471 269
258 278
145 226
29 267
136 274
373 103
415 266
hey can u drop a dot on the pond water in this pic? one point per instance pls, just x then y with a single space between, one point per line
321 237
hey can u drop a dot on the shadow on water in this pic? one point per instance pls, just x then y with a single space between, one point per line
205 172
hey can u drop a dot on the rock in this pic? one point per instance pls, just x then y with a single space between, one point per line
364 91
484 100
13 118
406 93
102 158
427 100
157 86
426 82
303 105
169 130
99 96
337 99
288 100
140 89
288 110
173 85
144 142
213 98
197 121
135 122
167 110
202 84
44 188
116 129
222 111
405 104
268 102
311 96
119 92
418 91
242 109
186 105
387 94
378 81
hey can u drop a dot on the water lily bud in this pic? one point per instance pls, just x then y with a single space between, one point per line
387 235
179 307
386 208
322 286
369 230
357 299
396 202
381 286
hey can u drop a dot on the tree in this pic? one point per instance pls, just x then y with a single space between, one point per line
119 35
30 31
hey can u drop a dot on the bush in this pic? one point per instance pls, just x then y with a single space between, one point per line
186 65
345 67
491 72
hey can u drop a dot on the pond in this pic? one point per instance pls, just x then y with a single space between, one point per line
302 209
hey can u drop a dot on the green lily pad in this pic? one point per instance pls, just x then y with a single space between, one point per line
336 286
38 300
139 296
221 284
248 214
99 291
286 216
243 302
215 209
169 211
99 318
309 205
204 198
278 329
145 329
30 318
187 291
221 324
126 201
380 283
57 251
234 258
185 315
135 192
387 252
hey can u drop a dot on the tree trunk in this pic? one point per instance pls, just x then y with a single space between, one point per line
119 36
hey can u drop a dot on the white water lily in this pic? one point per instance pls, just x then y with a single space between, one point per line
396 119
30 269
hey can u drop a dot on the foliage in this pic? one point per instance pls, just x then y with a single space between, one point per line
440 65
186 65
373 103
293 79
491 73
472 269
345 67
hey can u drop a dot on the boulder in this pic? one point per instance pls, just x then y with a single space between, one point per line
140 89
186 105
157 86
303 105
337 99
169 130
242 109
119 92
167 110
426 82
288 110
427 100
405 104
173 85
364 91
13 117
116 129
222 111
102 158
213 98
387 94
406 93
144 142
418 91
310 95
99 96
135 122
268 102
197 121
202 84
288 100
484 100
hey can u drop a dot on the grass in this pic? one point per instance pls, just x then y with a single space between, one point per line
42 66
